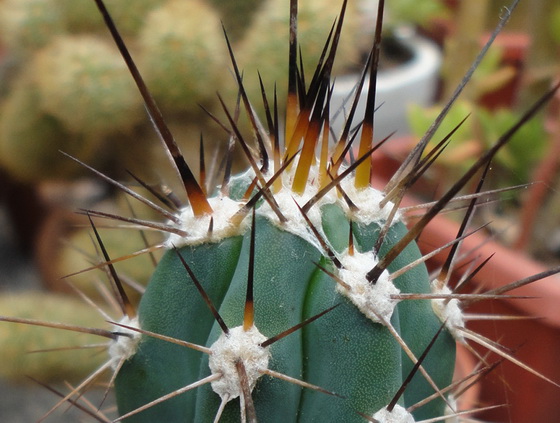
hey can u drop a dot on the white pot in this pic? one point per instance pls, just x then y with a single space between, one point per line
413 82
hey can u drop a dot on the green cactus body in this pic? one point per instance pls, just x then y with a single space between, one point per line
349 351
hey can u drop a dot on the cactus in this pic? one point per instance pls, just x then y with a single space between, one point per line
84 84
81 97
80 16
294 290
21 344
29 24
85 87
30 139
351 351
178 62
238 16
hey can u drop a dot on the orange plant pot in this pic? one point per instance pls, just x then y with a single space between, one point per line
535 340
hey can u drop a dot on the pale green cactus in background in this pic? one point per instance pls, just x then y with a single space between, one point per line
80 16
30 139
22 344
26 25
183 54
180 50
83 83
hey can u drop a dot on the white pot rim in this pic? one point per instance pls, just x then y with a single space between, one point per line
426 62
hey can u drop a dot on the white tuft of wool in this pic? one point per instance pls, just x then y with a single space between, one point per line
237 345
373 299
449 312
397 415
125 345
449 410
367 201
287 199
197 227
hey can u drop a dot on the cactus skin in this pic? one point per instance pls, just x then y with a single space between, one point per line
344 351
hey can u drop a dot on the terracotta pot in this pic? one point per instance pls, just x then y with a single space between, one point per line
465 364
536 340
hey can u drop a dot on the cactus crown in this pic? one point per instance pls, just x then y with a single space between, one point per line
297 270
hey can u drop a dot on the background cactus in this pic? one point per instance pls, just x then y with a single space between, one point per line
30 139
179 57
238 16
21 344
29 24
182 53
80 16
84 84
293 291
